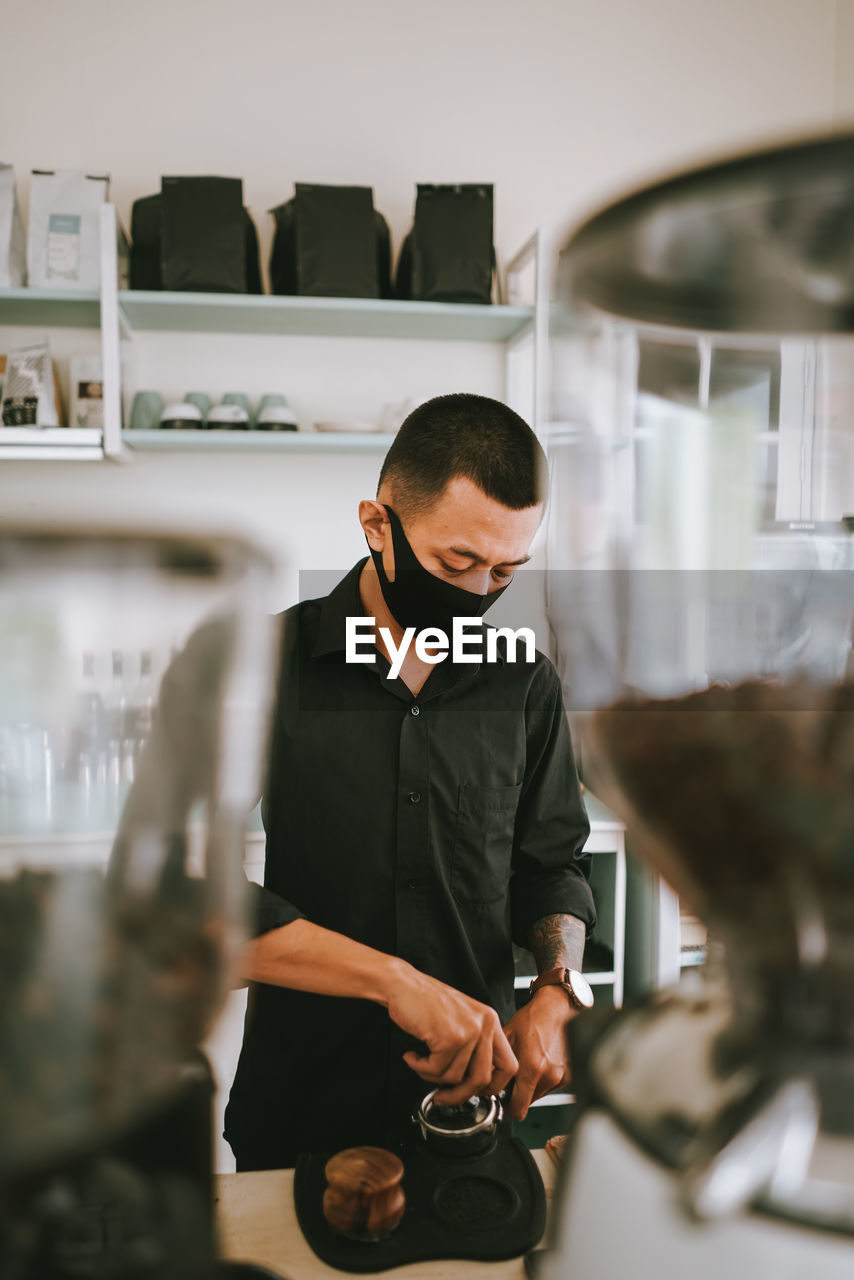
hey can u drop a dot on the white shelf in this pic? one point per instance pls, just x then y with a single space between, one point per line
49 307
321 317
169 441
115 313
25 444
118 313
266 314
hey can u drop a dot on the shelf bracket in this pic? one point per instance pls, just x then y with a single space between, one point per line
110 335
535 251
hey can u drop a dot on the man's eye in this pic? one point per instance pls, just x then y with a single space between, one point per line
450 568
502 575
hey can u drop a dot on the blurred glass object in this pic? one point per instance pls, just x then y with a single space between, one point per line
121 834
700 591
701 448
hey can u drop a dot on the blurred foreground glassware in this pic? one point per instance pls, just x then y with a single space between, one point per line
121 831
701 593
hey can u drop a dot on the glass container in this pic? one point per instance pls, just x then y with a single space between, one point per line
121 819
702 599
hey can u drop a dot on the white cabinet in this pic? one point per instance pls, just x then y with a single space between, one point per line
607 844
662 941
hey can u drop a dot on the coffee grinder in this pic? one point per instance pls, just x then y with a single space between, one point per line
703 407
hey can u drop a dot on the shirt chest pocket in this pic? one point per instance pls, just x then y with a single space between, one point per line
483 843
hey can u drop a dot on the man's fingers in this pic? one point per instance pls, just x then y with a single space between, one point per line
431 1069
501 1079
503 1056
544 1086
550 1079
533 1081
523 1094
505 1063
475 1080
446 1066
485 1064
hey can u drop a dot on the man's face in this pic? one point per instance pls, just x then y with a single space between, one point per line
465 537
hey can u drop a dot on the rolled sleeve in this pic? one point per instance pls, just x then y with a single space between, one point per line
550 869
267 910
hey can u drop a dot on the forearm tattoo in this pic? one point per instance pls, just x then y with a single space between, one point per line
557 942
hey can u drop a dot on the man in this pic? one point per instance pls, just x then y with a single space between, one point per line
416 823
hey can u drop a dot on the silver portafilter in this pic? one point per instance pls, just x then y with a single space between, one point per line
469 1128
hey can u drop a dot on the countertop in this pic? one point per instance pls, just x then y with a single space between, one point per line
257 1223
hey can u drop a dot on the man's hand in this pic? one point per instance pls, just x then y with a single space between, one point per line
538 1031
467 1050
537 1034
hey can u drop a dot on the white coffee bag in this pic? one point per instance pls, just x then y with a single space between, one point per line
87 392
63 244
29 396
13 244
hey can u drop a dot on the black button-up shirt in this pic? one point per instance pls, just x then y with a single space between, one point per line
437 828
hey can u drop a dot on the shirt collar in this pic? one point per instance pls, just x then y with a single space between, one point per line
345 601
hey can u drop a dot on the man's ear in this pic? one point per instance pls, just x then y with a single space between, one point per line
374 521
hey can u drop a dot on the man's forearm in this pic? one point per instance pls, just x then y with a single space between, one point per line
558 942
458 1043
306 957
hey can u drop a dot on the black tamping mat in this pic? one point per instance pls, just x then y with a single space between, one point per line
486 1207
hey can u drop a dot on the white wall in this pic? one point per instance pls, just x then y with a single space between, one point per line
844 68
558 102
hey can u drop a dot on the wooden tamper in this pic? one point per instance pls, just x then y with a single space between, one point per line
364 1199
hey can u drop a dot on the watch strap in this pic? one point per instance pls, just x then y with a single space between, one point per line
573 982
555 978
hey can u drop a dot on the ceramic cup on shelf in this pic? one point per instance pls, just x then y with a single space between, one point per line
274 414
228 417
241 399
271 399
201 400
146 410
181 415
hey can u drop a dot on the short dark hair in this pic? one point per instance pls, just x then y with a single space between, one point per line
465 435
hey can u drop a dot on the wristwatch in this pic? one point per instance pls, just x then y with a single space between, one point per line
574 984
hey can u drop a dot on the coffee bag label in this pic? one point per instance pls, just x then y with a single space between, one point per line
63 247
89 405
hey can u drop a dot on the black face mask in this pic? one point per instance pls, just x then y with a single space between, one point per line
417 598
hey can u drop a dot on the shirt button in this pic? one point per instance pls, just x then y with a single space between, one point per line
414 797
416 711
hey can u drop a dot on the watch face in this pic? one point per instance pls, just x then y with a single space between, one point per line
580 988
